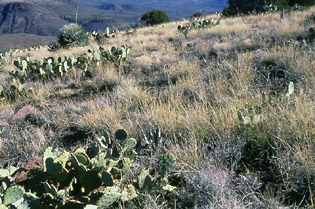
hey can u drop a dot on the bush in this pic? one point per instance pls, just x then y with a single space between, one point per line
243 7
198 14
248 6
72 35
155 17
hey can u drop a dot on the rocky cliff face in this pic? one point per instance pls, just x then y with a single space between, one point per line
21 17
46 17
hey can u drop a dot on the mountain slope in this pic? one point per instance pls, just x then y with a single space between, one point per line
20 17
43 17
21 41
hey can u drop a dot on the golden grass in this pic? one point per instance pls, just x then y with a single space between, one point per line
202 103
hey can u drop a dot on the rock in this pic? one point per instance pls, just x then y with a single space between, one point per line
35 119
22 176
51 133
22 113
3 123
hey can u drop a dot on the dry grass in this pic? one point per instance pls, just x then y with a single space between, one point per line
192 89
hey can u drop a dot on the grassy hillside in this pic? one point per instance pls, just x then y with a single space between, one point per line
21 41
222 98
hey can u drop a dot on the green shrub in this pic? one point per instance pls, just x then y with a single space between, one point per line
248 6
198 14
243 7
72 35
155 17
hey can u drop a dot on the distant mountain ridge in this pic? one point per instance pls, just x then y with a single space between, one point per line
176 9
124 7
45 17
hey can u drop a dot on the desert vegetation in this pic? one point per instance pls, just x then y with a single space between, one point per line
220 117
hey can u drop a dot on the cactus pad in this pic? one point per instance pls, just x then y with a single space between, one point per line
116 173
131 154
80 169
147 184
30 201
129 144
4 173
126 164
121 135
50 153
56 170
83 158
115 152
90 207
142 176
107 179
93 150
290 89
108 199
13 194
104 140
129 193
168 188
51 189
166 164
99 162
90 181
63 158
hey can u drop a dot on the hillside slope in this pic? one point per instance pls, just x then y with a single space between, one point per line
234 103
22 41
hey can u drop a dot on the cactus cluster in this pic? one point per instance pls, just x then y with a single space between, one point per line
250 115
1 60
115 54
86 178
73 35
202 24
17 51
101 37
270 8
51 67
13 91
48 68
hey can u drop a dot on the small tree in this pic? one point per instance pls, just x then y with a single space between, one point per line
155 17
247 6
244 6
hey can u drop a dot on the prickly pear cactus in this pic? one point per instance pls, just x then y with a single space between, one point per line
110 197
129 144
142 176
13 194
121 135
129 193
166 164
95 177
